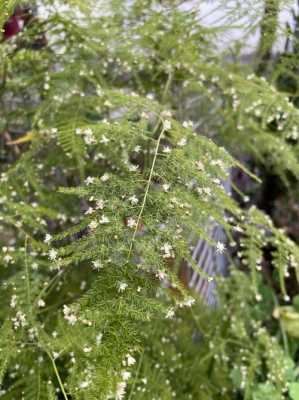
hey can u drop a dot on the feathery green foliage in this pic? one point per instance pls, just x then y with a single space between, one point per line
120 131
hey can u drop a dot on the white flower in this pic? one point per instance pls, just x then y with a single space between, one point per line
87 349
48 238
137 149
105 177
166 149
199 165
41 303
90 210
133 200
97 265
166 187
89 180
122 286
69 316
133 168
187 124
107 103
99 338
53 254
131 222
182 142
104 220
72 319
84 384
130 360
258 297
8 258
126 375
89 140
88 136
188 302
220 247
167 125
34 266
13 301
161 275
100 204
170 313
88 131
19 320
104 140
120 390
93 224
167 249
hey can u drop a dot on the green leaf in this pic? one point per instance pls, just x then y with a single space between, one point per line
266 391
294 390
296 303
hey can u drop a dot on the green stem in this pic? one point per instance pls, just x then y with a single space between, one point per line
146 190
28 279
57 376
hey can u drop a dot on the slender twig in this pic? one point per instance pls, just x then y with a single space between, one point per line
57 376
136 376
28 286
146 189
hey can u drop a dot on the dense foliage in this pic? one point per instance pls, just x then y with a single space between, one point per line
120 123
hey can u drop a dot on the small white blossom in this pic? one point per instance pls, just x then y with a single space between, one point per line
89 180
220 247
93 224
182 142
133 200
104 140
105 177
8 258
53 254
13 301
167 125
131 222
161 275
41 303
69 316
88 136
90 210
84 384
97 265
170 313
48 238
199 165
104 220
87 349
130 360
188 302
100 204
99 338
167 250
258 297
19 320
133 168
126 375
122 286
166 149
120 390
